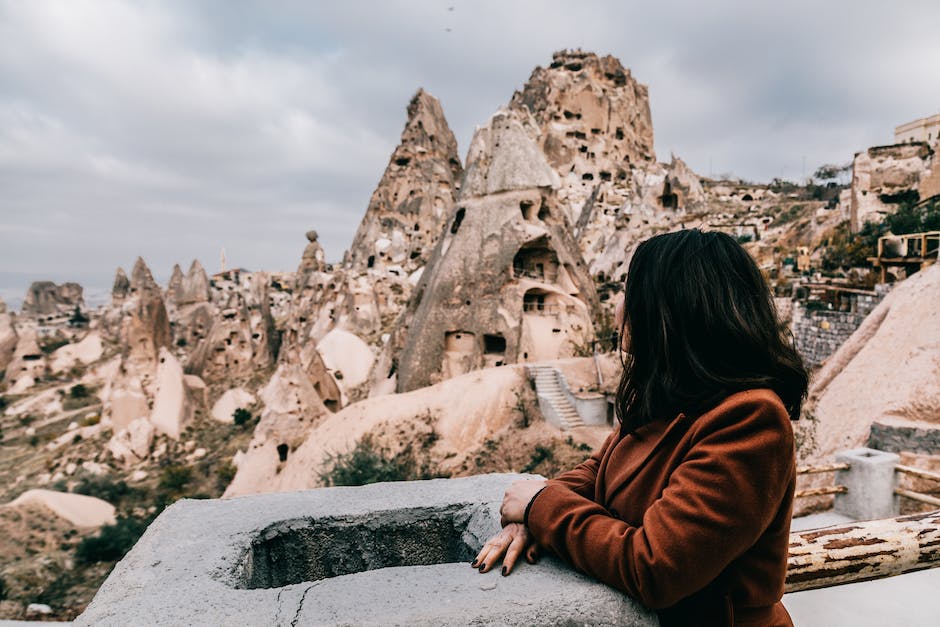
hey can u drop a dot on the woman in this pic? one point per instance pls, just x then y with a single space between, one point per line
686 507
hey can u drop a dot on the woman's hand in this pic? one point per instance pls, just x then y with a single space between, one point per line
517 498
511 542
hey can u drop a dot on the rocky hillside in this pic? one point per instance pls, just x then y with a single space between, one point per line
406 359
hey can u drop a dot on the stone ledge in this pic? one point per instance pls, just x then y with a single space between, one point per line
210 562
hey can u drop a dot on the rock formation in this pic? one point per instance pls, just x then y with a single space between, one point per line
414 196
884 176
145 327
365 295
242 338
27 364
8 337
172 410
191 288
291 408
594 119
45 298
886 373
506 283
121 287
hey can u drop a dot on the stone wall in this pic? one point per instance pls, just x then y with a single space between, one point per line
818 333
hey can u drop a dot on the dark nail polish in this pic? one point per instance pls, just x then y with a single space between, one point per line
505 572
482 567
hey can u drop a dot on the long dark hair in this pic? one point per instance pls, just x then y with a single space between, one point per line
702 325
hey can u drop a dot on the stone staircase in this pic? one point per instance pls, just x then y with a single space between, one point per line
549 388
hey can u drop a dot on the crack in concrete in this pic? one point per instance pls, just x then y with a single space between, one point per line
300 605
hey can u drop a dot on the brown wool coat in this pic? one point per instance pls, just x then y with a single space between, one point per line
690 517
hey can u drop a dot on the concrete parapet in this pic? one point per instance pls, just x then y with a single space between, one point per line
871 481
389 553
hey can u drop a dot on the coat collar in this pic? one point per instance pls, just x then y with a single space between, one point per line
628 456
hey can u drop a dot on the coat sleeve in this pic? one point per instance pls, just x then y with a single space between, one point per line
582 478
717 503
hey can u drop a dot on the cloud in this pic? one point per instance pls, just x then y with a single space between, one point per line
171 129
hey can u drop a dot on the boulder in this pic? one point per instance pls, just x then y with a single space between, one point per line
233 399
78 509
132 444
347 356
171 408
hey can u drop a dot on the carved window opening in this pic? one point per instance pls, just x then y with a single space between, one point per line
669 200
494 344
458 218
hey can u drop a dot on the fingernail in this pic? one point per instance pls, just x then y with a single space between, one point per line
482 567
473 564
504 571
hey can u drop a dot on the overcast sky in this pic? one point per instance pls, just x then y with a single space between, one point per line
173 129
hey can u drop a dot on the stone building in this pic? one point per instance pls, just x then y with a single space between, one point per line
885 176
925 130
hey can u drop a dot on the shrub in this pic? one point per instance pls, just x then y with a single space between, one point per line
3 590
51 344
175 477
224 473
78 391
112 542
241 416
104 488
541 454
368 463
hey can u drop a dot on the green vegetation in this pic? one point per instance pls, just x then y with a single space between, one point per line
112 542
175 477
49 345
369 463
241 417
104 488
78 396
78 319
541 454
78 391
851 250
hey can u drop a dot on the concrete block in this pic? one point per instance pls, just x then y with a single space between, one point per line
871 480
388 553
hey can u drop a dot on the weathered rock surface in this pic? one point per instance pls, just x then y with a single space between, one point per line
8 337
291 408
594 119
45 298
121 287
506 283
172 410
887 371
78 509
883 177
132 443
87 351
236 398
27 364
347 357
193 287
414 196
